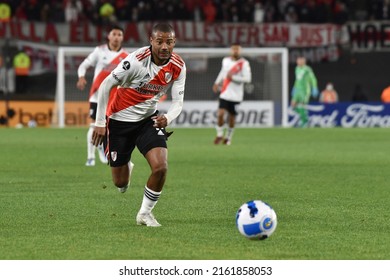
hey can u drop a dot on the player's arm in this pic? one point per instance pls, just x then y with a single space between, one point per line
245 76
90 61
219 79
176 107
103 96
313 83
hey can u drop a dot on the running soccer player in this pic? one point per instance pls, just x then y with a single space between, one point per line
104 59
235 72
133 120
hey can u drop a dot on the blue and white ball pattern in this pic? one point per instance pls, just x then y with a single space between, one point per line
256 220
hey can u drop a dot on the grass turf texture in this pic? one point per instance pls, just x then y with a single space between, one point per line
329 188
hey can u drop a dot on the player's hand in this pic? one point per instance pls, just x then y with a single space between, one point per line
314 92
160 121
215 88
229 76
81 83
98 135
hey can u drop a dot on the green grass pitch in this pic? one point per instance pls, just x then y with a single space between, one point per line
329 188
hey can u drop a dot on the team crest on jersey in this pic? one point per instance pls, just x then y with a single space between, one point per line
168 77
126 65
114 156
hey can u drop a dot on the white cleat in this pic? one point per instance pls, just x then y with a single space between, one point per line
147 219
124 189
102 155
90 162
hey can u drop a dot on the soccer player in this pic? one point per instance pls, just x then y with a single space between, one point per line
235 72
305 85
133 120
104 59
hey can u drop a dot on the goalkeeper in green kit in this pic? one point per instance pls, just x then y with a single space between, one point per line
305 85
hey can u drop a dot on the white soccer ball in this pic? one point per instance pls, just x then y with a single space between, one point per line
256 220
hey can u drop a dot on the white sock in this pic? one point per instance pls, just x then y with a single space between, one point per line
230 133
149 201
219 130
90 147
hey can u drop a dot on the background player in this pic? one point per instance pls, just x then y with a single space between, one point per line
235 72
305 85
133 120
104 58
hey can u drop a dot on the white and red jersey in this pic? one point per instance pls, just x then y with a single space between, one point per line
233 89
104 61
140 83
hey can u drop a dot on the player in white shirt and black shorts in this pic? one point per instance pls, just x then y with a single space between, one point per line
132 120
234 73
104 59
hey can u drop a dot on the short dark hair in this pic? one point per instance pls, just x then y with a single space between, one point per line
115 27
163 27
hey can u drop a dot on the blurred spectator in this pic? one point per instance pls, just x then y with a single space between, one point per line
302 11
340 13
209 11
20 12
258 13
22 65
73 9
385 96
329 94
5 12
380 9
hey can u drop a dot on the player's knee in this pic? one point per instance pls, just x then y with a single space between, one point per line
120 182
160 171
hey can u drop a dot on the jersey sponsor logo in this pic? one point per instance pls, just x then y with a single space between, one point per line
151 89
126 65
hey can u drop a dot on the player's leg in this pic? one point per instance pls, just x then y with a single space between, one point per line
298 105
120 145
232 122
151 142
121 176
157 159
220 122
90 147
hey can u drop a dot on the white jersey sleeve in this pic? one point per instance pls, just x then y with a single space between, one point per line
177 92
90 61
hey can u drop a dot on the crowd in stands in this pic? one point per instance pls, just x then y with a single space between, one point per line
112 11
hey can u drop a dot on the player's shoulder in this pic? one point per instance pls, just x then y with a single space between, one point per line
176 59
141 54
102 47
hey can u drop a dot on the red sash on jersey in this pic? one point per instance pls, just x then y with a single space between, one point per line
104 73
236 68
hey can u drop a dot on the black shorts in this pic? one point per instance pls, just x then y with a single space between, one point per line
229 106
122 137
92 110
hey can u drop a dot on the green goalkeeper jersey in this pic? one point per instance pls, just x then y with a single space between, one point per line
305 81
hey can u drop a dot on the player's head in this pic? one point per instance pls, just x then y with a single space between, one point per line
235 50
301 60
115 37
163 41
